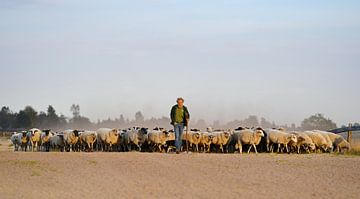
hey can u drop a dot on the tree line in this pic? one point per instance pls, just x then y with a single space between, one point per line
30 118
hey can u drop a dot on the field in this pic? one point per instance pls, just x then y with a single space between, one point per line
154 175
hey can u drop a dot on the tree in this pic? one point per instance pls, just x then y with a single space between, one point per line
52 119
6 118
319 122
26 118
75 109
139 118
42 121
264 123
201 124
251 121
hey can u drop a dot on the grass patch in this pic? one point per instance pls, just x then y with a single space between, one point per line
280 161
355 148
92 162
35 173
27 163
36 167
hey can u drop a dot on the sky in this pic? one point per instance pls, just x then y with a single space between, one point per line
283 60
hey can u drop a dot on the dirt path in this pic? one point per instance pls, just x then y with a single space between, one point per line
154 175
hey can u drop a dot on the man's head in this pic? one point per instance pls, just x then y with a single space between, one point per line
180 101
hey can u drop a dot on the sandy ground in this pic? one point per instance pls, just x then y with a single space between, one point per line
154 175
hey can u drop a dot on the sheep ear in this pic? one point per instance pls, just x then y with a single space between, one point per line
301 139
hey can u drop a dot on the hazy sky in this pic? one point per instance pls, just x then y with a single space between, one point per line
283 60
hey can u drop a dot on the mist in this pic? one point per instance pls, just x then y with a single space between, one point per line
228 59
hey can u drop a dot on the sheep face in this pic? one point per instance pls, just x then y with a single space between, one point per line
196 135
293 138
166 134
226 135
24 139
311 147
260 133
76 133
211 137
345 145
214 140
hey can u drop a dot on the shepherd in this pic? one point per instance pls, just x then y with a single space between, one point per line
179 119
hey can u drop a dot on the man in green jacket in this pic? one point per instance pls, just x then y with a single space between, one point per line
179 118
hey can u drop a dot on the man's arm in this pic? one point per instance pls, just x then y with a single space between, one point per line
172 114
187 114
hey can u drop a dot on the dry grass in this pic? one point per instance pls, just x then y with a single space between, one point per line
355 147
92 162
26 163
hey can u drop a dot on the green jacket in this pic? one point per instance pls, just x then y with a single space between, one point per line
173 111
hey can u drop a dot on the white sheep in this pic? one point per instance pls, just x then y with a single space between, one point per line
106 138
221 138
87 139
194 138
319 140
157 139
279 137
251 137
303 141
206 140
35 138
338 141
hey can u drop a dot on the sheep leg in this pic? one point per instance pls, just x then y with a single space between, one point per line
278 150
255 148
298 149
240 148
249 149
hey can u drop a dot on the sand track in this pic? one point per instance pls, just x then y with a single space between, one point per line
154 175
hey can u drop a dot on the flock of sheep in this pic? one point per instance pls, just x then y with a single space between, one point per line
162 140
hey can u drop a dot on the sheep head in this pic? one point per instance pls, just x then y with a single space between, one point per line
312 146
260 133
293 138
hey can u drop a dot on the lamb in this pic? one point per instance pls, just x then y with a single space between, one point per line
35 138
329 143
157 139
303 141
16 140
45 139
87 140
57 142
338 142
319 140
170 142
341 144
24 141
205 141
134 137
193 137
251 137
279 137
71 138
221 138
106 138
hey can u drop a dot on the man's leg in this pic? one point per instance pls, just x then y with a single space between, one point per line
177 132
